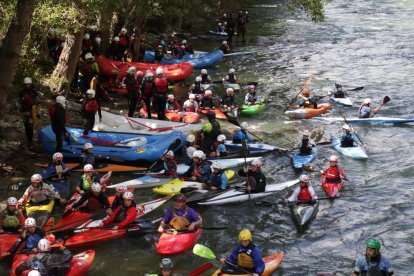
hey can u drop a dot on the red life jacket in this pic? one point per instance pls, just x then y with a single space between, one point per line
88 44
92 106
52 113
86 70
332 173
196 170
162 85
123 40
304 194
146 91
27 99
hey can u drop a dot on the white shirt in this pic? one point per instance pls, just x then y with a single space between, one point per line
189 104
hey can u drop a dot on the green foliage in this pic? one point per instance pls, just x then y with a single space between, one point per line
314 8
7 8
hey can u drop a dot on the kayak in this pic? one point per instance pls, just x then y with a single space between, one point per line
332 189
173 116
307 113
233 196
198 60
147 181
374 120
174 243
174 72
99 167
117 146
303 213
219 114
271 264
235 86
300 160
195 195
251 110
356 152
7 241
174 187
344 101
218 33
40 213
253 147
191 117
79 264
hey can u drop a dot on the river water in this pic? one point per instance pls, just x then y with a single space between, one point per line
360 43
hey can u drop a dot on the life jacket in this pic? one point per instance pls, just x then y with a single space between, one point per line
123 41
11 219
207 102
197 88
93 204
228 100
215 179
333 174
204 78
38 196
37 263
245 258
147 89
231 78
304 150
86 186
241 20
91 106
87 44
52 113
32 240
27 99
374 269
304 194
162 85
180 222
196 170
86 70
121 216
251 98
347 141
172 105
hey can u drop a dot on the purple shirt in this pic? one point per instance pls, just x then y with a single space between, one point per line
191 215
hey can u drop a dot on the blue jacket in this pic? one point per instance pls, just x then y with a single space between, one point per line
362 266
240 135
204 169
219 180
254 252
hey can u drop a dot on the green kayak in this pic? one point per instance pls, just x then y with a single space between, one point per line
251 110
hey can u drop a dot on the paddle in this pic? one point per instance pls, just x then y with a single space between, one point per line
236 123
205 252
245 152
346 122
308 81
384 101
355 89
267 203
201 269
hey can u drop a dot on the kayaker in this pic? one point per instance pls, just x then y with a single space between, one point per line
115 50
170 165
207 101
225 48
87 156
12 219
191 105
306 100
219 148
347 137
166 267
200 169
231 77
160 89
28 100
58 173
58 119
228 102
365 110
218 179
251 97
304 193
196 87
256 180
90 106
180 216
39 193
205 77
190 148
96 199
87 179
47 261
340 91
219 28
188 49
246 255
334 174
241 26
147 91
172 104
373 262
133 90
159 54
210 132
305 145
242 134
124 214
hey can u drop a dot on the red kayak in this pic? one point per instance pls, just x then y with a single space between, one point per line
174 243
7 241
174 72
78 266
191 117
219 114
332 189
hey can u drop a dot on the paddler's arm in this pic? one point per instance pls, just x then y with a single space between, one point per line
130 217
258 261
196 220
165 221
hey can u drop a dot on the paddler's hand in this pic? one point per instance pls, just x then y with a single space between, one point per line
255 274
62 201
160 229
109 211
101 224
193 178
68 208
67 134
321 171
191 227
248 188
222 260
115 228
245 169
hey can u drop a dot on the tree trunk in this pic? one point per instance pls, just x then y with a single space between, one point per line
12 45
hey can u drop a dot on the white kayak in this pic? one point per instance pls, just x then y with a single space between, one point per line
374 120
253 147
146 181
344 101
356 152
233 196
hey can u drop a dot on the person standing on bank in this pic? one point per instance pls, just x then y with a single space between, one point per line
58 121
28 99
90 106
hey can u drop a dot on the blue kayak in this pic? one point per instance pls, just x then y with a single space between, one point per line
198 61
356 152
300 160
115 146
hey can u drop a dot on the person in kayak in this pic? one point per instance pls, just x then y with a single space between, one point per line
96 199
120 189
180 216
191 105
373 262
87 156
219 148
365 110
12 219
205 77
58 119
207 101
246 255
39 193
200 169
210 131
218 179
251 97
166 267
172 104
47 261
242 134
124 214
189 149
306 100
58 173
231 77
90 106
334 174
304 193
160 89
228 102
188 48
225 48
305 145
28 100
88 177
170 165
340 92
347 138
256 180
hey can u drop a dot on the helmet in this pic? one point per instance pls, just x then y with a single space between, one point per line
159 46
166 263
251 86
169 153
131 70
123 31
224 42
91 92
199 154
88 56
181 198
86 36
220 24
304 178
182 46
139 73
149 74
128 195
191 96
96 187
88 168
221 138
116 38
244 125
29 222
171 97
184 41
204 71
36 178
216 165
159 71
306 91
333 158
207 127
245 235
337 85
306 133
121 188
208 92
60 100
43 245
367 101
190 138
98 40
346 127
57 156
94 27
230 90
198 78
27 80
88 146
256 163
211 115
12 201
374 244
34 273
231 71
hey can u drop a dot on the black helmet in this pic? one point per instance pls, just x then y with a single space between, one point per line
211 115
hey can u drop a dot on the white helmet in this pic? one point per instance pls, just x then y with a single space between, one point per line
36 178
60 100
12 201
87 146
88 168
346 127
256 163
198 78
169 153
208 92
367 101
204 71
128 195
91 92
191 96
216 165
139 73
34 273
131 70
57 156
149 74
184 41
96 187
124 31
94 27
98 40
306 133
244 125
221 138
121 188
231 71
220 24
159 71
27 80
230 90
225 42
304 178
29 222
333 158
88 56
171 97
86 36
116 38
199 154
43 245
190 138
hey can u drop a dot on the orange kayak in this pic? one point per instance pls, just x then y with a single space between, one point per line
219 114
99 167
307 113
172 116
191 117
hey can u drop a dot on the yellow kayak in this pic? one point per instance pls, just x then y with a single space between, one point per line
174 186
40 212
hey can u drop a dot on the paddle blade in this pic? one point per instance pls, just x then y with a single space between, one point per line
234 121
203 251
308 81
356 89
386 100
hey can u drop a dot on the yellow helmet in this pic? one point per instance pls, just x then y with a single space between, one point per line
245 235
